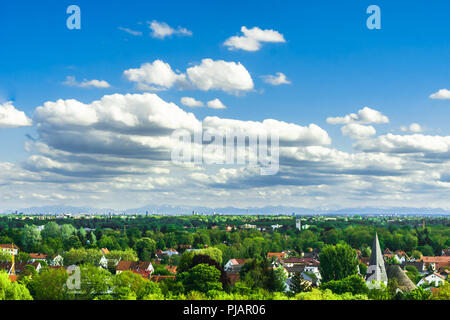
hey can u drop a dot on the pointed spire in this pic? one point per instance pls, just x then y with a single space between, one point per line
377 269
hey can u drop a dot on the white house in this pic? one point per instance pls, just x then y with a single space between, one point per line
38 257
310 278
56 260
103 262
434 279
234 264
170 252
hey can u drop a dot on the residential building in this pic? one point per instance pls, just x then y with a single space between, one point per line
38 257
16 268
293 261
234 265
437 262
144 268
276 255
56 260
434 279
9 249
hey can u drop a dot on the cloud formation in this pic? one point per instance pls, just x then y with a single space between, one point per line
10 117
230 77
357 131
252 39
276 80
216 104
72 82
191 102
130 31
117 150
443 94
220 75
365 116
157 75
413 127
416 143
162 30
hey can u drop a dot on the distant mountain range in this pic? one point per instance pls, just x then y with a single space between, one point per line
230 210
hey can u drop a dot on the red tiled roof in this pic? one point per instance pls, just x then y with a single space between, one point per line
442 265
436 259
438 275
238 261
8 246
279 255
132 265
38 256
13 278
401 253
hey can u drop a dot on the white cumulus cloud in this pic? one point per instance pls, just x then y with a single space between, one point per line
252 39
220 75
443 94
290 134
230 77
416 143
191 102
10 117
364 116
216 104
415 127
357 131
161 30
276 80
72 82
154 76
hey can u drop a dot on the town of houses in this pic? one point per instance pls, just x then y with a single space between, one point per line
434 270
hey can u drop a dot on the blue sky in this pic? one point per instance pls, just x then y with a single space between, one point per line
334 63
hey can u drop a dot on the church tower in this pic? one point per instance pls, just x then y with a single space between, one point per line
298 224
377 270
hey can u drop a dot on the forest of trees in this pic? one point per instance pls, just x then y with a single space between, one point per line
200 274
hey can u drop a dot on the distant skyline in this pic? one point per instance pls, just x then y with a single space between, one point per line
86 115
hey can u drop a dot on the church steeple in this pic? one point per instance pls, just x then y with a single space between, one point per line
377 269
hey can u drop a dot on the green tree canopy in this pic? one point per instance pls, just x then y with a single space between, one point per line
202 278
353 284
12 290
50 284
146 249
338 262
